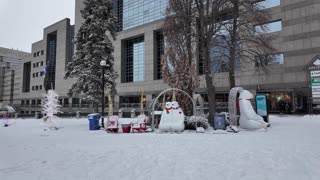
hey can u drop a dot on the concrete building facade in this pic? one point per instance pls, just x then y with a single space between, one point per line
140 44
295 24
49 57
10 62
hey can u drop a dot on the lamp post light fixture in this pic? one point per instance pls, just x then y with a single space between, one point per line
103 64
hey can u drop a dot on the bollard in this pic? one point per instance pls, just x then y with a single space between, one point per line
36 115
78 114
133 113
120 113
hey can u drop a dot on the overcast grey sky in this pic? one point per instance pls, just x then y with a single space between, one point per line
22 21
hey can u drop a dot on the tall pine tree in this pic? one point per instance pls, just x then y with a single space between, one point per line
94 44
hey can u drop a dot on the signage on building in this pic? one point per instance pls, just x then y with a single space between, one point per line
261 102
315 83
313 68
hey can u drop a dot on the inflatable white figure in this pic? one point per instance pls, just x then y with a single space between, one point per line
248 117
172 118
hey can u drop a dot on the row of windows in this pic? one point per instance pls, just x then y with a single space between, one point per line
62 101
36 54
140 12
34 75
33 102
36 88
37 64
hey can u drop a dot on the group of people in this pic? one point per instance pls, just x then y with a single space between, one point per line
284 107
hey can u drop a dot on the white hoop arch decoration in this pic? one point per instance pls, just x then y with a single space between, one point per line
165 91
232 105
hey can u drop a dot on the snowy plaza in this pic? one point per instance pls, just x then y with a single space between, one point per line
290 149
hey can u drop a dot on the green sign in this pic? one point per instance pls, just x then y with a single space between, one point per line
261 102
315 81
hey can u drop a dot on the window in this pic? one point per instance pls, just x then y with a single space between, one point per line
34 54
138 12
27 102
38 64
66 102
269 59
268 4
134 60
37 88
220 54
38 101
34 65
33 75
41 73
42 52
37 74
75 102
51 58
40 87
41 63
38 53
32 88
269 27
22 102
159 44
26 77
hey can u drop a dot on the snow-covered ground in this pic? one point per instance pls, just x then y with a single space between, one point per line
289 150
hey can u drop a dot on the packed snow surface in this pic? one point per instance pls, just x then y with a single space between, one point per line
290 149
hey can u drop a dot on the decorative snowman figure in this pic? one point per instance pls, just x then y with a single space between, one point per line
166 117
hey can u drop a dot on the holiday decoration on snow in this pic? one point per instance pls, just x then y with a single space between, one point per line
172 118
51 107
248 117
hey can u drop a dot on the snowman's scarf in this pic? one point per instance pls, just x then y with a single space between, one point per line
167 109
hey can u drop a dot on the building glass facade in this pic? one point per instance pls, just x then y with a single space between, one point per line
139 12
51 61
71 44
159 44
134 60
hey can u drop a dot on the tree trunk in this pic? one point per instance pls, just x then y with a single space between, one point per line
232 80
211 90
233 42
96 107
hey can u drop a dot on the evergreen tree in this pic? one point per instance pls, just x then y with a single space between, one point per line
94 44
50 107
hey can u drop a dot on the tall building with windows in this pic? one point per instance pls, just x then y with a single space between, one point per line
10 62
49 58
140 44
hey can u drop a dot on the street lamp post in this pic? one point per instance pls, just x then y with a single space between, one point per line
103 65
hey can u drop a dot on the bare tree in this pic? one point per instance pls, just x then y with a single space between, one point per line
243 41
179 69
207 13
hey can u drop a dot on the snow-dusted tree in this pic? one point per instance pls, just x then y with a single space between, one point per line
94 44
51 107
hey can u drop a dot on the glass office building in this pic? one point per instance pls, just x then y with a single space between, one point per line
138 12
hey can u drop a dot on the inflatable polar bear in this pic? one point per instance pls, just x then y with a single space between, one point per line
172 118
248 117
